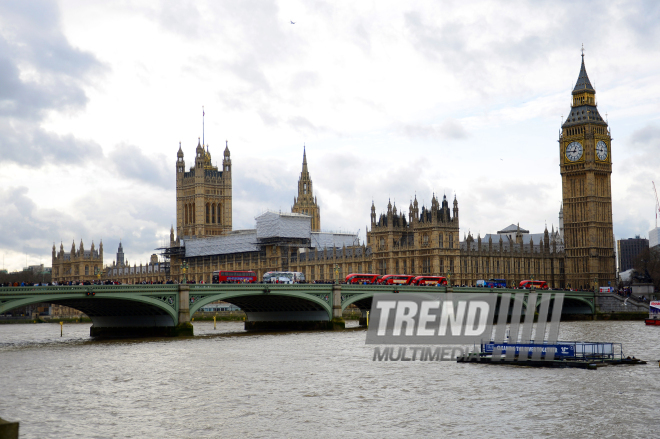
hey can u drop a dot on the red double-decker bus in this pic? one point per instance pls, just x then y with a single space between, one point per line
429 280
396 279
538 284
234 276
361 278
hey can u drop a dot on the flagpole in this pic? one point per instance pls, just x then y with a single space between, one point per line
203 125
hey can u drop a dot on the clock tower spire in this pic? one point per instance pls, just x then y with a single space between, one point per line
585 162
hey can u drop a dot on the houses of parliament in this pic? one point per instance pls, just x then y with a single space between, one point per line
422 240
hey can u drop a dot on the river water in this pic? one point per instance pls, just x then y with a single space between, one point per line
228 383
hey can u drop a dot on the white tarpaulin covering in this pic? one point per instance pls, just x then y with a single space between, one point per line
322 240
243 241
283 225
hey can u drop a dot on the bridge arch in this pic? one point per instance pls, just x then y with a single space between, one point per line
276 305
575 305
107 309
362 301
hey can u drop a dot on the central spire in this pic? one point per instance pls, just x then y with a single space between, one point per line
583 84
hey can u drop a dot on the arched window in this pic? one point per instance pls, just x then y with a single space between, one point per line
451 241
193 213
219 213
86 270
440 241
213 213
208 214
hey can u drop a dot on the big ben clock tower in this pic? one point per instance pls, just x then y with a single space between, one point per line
585 159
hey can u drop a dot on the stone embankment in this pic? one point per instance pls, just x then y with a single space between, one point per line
614 307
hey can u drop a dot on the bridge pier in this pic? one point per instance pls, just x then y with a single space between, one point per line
337 322
363 319
184 327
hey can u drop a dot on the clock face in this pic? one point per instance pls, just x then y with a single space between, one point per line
574 151
601 150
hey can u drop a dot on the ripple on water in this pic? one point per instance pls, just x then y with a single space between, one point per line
227 383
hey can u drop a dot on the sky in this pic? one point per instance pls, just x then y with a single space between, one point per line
391 99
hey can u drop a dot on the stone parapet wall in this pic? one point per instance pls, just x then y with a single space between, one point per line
615 303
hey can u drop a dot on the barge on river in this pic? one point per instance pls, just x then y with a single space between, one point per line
563 354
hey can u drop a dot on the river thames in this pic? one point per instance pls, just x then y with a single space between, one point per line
228 383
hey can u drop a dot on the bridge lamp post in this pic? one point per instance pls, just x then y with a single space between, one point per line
98 273
336 273
184 269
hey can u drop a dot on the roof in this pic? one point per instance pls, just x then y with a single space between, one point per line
583 84
525 237
513 228
583 114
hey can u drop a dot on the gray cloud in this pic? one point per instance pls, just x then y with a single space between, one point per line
25 143
647 137
33 228
642 18
304 79
130 162
39 72
302 124
493 66
644 148
448 129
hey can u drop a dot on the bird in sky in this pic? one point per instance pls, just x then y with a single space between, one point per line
293 22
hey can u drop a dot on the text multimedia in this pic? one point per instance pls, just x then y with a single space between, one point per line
418 353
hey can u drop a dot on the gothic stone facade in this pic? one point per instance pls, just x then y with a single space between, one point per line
203 195
78 265
305 202
585 158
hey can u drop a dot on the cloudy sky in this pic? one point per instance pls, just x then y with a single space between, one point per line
392 99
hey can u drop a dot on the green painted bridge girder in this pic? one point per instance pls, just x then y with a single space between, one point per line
166 296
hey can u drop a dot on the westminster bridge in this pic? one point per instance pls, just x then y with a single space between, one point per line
165 310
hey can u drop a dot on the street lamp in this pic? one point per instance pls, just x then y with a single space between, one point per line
98 272
184 269
336 273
